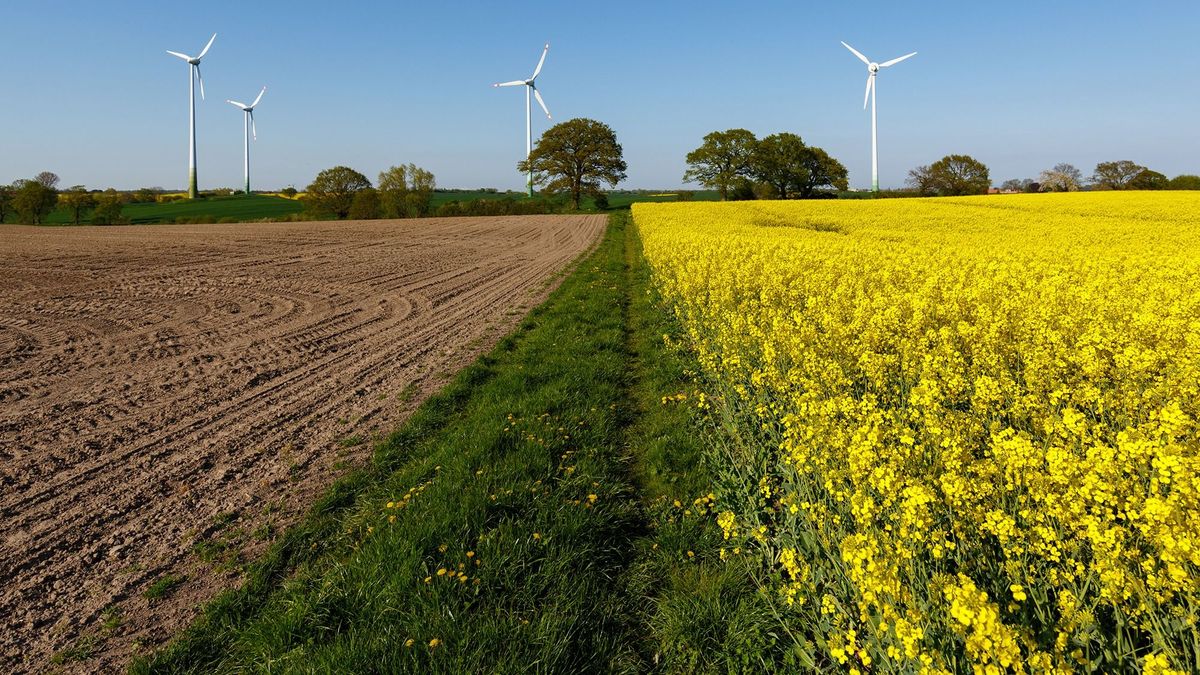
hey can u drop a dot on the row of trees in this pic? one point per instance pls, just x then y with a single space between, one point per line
1117 175
32 200
404 191
740 166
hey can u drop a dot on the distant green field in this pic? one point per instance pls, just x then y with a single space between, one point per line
256 207
239 207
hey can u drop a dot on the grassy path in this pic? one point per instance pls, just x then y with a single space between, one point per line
532 516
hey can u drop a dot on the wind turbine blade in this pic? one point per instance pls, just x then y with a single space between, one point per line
185 57
540 62
253 129
867 93
509 84
210 41
893 62
260 95
240 105
858 54
201 78
541 103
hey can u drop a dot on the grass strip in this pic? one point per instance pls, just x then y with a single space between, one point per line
488 534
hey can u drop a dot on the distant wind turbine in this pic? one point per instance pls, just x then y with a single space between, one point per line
872 70
530 87
248 126
193 75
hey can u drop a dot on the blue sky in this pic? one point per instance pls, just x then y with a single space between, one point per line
90 93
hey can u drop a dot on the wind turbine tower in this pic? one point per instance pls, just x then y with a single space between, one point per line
193 75
872 71
248 128
530 88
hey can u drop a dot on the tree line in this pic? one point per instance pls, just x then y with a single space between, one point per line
739 165
32 200
403 191
1115 175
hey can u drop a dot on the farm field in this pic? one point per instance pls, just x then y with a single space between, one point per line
963 433
173 396
242 208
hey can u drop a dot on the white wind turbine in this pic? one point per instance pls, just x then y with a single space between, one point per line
248 127
193 75
872 70
530 87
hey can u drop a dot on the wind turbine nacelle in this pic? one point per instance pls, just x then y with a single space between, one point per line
873 67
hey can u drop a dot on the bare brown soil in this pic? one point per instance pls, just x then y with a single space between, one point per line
171 396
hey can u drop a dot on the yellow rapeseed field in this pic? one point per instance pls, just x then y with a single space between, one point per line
962 433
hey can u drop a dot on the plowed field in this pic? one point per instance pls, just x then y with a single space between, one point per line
170 396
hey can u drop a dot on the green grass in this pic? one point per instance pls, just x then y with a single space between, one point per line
237 207
543 483
163 587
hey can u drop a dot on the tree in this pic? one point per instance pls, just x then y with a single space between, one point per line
1182 182
365 205
289 192
920 179
952 175
778 162
721 160
823 172
77 200
332 191
1149 180
393 191
34 200
1116 175
421 184
108 208
1062 178
575 157
7 192
47 179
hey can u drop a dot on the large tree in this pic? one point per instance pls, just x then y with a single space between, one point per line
778 161
33 200
952 175
721 160
393 188
1116 175
1147 179
332 191
1181 182
1062 178
575 158
77 200
823 172
421 184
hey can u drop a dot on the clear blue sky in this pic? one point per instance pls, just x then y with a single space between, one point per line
90 93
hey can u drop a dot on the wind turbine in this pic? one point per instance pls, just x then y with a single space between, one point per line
872 71
530 87
248 126
193 75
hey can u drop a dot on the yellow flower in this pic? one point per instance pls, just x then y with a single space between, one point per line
434 643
